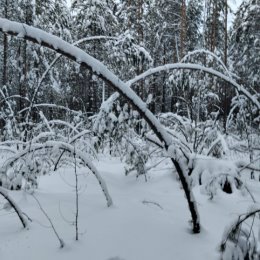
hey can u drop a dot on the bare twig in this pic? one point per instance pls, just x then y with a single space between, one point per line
152 202
46 215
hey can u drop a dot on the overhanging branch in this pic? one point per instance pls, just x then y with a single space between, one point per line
72 52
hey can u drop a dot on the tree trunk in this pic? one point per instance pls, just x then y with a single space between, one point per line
5 51
183 30
111 79
225 108
140 41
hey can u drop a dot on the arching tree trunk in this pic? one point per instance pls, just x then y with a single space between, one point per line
87 61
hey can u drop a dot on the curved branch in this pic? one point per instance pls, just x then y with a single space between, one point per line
91 38
62 146
207 52
72 141
235 227
49 106
18 211
7 149
63 123
55 60
14 96
191 66
53 42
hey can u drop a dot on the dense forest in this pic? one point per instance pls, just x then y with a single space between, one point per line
130 37
151 82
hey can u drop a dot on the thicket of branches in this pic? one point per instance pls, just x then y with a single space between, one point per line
179 98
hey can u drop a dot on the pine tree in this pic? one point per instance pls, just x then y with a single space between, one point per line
24 63
245 44
91 18
194 23
214 28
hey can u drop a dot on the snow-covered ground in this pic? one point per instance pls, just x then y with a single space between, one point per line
148 221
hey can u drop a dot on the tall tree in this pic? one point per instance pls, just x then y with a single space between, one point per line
194 24
91 18
245 44
214 28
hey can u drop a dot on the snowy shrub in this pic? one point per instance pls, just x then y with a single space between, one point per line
53 150
24 167
225 182
239 241
136 157
116 128
197 137
120 129
203 92
25 164
106 122
204 168
198 95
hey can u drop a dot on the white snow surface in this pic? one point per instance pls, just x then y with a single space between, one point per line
148 221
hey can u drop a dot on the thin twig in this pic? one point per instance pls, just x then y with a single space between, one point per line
152 202
46 215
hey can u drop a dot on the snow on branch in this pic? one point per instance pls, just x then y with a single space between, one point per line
191 66
239 241
55 60
13 204
50 106
209 53
55 43
62 146
74 53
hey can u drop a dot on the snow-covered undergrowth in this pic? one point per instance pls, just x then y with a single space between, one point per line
147 220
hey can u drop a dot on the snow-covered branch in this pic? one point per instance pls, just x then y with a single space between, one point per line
208 53
61 146
50 106
13 204
191 66
55 43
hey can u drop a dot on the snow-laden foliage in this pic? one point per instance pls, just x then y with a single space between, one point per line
200 96
35 164
245 44
239 241
54 150
41 132
119 129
